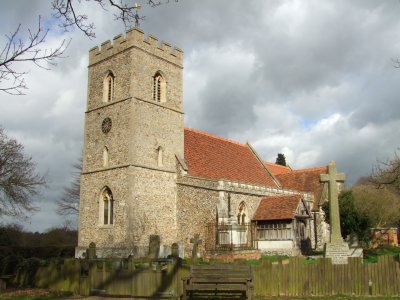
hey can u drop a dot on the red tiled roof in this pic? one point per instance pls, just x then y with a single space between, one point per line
218 158
277 169
277 208
304 180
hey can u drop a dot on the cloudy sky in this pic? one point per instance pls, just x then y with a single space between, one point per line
314 80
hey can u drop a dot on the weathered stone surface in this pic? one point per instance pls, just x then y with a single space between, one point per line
338 252
144 191
154 246
175 250
336 249
333 178
195 241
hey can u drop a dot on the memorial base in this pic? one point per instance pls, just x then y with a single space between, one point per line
338 252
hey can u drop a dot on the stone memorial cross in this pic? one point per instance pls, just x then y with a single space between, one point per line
337 249
333 178
196 242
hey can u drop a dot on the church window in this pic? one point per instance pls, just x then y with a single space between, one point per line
160 153
242 215
108 90
105 157
159 88
106 125
106 207
274 230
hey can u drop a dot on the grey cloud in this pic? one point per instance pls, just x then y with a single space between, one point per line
306 61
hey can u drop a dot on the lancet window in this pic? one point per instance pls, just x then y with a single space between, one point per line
108 90
107 207
159 88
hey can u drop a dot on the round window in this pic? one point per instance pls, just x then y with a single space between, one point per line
106 125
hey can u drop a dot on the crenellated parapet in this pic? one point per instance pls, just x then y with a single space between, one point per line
135 38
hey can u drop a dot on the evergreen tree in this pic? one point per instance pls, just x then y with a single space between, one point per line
352 221
281 159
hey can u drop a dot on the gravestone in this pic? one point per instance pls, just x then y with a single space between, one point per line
154 246
91 251
196 242
174 250
337 249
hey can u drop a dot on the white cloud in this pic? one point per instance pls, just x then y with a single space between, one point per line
313 80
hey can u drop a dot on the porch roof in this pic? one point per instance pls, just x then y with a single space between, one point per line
277 208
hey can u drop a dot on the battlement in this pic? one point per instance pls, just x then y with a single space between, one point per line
135 38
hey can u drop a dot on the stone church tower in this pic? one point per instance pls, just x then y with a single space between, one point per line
133 135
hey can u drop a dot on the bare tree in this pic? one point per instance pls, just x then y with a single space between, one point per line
69 202
19 181
368 198
388 174
67 12
17 51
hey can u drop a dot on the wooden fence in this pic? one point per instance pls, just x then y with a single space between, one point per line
299 277
163 279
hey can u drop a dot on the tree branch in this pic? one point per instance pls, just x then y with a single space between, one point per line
17 51
128 14
19 181
69 202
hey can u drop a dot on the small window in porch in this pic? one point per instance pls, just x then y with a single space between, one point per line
276 230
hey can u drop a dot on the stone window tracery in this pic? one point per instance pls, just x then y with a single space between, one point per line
242 216
159 88
108 90
106 207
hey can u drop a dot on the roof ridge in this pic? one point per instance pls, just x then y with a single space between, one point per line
309 169
277 165
215 137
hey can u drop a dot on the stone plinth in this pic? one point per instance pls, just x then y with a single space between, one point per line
338 252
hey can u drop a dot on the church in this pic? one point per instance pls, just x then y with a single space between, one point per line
149 184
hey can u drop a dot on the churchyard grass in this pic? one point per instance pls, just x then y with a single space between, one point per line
371 255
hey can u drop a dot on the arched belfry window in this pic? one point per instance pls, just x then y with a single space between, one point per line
105 157
159 88
242 216
108 90
106 207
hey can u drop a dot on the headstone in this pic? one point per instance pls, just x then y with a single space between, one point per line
91 251
196 242
174 250
154 246
181 249
356 252
336 249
